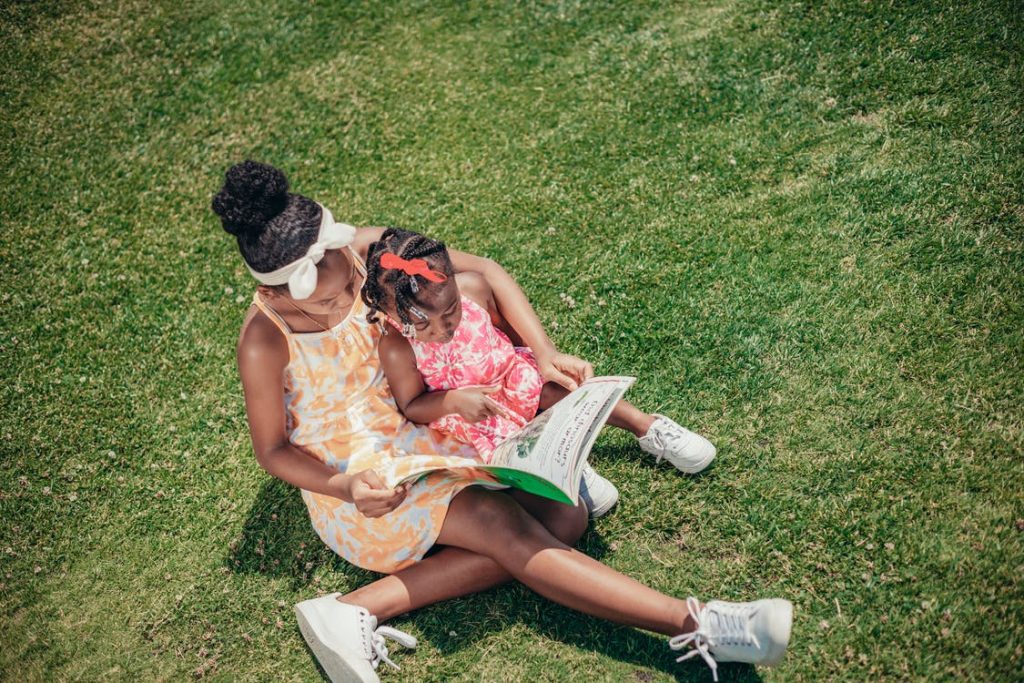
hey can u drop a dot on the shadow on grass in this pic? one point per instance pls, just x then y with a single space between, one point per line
631 454
278 541
456 626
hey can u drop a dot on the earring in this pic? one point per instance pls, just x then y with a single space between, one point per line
408 330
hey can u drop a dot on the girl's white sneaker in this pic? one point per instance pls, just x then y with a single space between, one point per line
346 639
689 452
751 632
597 493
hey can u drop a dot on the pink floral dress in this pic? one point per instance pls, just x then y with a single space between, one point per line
480 354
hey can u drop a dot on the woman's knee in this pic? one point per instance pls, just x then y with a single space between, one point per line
506 516
494 514
567 523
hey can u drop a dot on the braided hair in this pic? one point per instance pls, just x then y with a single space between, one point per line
386 287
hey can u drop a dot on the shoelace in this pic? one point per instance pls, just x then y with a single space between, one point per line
380 649
661 439
724 625
664 437
659 444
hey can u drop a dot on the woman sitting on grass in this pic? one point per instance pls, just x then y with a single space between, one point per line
322 418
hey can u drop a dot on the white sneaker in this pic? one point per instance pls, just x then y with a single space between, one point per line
751 632
688 451
598 494
346 639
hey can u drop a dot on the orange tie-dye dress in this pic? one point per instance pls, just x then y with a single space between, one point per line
340 410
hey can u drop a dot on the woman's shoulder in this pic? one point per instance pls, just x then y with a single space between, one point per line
261 342
474 285
364 238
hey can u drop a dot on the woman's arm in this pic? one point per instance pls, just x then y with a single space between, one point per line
476 287
563 369
262 358
512 303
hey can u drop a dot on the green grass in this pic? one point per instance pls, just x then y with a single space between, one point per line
800 224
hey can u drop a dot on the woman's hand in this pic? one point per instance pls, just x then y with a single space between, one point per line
565 370
371 497
474 404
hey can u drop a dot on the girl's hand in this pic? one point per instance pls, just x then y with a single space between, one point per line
474 404
371 497
565 370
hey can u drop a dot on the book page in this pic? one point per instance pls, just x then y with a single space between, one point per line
581 449
546 457
554 445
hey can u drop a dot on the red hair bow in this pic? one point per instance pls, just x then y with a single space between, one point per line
416 266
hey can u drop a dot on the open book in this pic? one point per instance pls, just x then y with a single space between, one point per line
546 457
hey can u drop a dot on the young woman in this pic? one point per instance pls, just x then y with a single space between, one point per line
322 418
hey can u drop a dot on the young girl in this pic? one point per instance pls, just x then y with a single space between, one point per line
454 366
322 418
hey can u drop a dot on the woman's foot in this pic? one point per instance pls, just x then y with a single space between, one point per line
346 639
689 452
750 632
597 493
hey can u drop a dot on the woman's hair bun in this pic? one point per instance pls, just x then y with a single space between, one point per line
253 193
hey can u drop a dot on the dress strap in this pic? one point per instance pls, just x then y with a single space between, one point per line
275 318
360 266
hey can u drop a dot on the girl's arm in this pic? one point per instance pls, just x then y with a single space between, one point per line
262 358
411 395
563 369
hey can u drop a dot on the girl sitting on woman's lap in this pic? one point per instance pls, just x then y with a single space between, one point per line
453 365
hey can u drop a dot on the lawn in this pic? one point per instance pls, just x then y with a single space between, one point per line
799 224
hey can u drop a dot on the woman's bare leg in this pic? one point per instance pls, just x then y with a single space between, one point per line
448 573
497 526
624 415
454 572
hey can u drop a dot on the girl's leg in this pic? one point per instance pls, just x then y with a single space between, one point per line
454 572
688 452
627 416
497 526
624 415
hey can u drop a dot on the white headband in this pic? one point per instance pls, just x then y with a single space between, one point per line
301 273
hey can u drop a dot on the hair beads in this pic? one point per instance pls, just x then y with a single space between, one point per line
393 265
